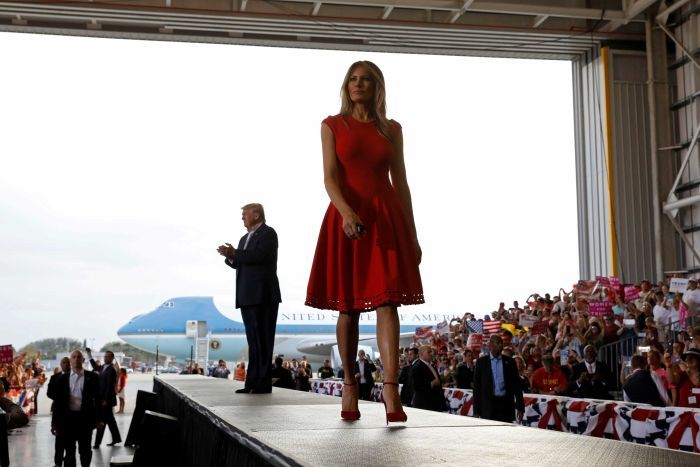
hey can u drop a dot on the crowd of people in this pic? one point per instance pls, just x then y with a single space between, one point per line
21 381
288 374
561 355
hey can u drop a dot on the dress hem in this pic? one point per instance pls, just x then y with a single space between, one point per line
369 304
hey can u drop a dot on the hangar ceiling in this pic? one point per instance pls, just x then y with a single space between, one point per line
555 29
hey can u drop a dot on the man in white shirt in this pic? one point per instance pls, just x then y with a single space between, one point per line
692 299
662 314
364 371
76 410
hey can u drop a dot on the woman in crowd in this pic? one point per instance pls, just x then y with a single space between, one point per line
522 374
367 254
688 381
239 374
302 379
121 389
594 335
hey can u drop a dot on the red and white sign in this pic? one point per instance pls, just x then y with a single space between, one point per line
475 341
5 354
631 293
538 328
603 281
599 307
527 321
615 283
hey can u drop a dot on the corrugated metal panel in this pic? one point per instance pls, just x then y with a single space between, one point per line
687 119
633 199
591 171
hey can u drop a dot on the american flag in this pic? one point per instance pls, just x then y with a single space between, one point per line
492 327
424 332
475 326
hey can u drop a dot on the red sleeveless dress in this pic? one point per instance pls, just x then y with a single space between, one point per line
380 268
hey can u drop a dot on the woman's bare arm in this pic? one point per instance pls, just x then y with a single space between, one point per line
400 184
330 180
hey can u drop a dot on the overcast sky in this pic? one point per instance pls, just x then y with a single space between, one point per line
124 164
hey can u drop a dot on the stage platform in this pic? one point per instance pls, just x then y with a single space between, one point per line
288 427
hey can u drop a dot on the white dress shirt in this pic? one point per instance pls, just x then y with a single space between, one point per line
361 366
77 381
250 234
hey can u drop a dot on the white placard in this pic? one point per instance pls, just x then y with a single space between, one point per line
678 284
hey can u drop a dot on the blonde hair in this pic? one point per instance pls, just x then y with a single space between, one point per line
378 107
257 208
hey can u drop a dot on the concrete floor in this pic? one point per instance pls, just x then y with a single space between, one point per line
33 445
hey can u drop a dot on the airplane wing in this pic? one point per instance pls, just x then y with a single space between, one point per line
316 347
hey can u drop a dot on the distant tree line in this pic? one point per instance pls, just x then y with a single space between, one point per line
131 351
51 347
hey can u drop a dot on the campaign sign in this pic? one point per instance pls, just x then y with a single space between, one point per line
527 321
631 293
678 284
603 281
615 282
538 328
5 354
475 341
599 307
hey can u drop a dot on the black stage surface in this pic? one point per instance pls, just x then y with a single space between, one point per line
297 428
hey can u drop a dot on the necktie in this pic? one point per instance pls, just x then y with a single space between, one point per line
434 371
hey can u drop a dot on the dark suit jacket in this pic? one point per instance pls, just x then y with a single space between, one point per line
283 377
369 370
256 269
407 385
591 389
483 386
59 392
425 395
108 382
464 377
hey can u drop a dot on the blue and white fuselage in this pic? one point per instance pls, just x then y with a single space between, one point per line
310 332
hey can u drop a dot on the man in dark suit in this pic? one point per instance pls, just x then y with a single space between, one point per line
108 392
427 387
465 371
58 446
405 378
497 391
257 294
590 379
282 376
364 374
76 409
643 386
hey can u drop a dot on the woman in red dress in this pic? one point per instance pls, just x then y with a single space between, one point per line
367 254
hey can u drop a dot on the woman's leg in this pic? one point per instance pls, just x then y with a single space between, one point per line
388 342
347 333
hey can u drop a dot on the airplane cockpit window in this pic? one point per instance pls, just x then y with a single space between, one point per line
168 305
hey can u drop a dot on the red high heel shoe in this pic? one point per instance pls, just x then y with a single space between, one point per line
393 416
350 415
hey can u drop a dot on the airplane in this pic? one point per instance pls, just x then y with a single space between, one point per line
175 326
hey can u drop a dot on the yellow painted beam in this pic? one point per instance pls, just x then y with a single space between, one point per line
607 95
